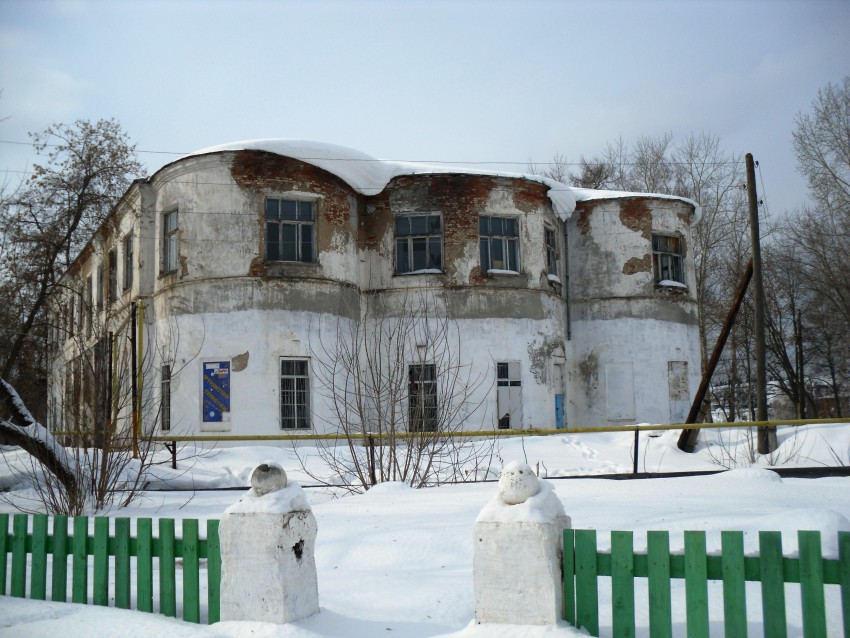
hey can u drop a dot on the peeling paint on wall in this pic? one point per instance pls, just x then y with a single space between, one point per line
240 362
588 368
540 352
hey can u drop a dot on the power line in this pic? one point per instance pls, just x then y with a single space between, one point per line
419 161
763 193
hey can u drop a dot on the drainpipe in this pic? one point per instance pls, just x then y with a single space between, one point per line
567 280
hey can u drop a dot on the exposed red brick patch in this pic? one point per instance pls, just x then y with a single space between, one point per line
529 196
257 268
583 221
638 264
637 216
478 277
264 172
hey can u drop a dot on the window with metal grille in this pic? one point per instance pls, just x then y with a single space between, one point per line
507 374
667 258
499 243
165 398
290 230
418 243
422 398
294 394
169 241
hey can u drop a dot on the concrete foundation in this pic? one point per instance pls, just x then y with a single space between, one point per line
517 557
268 564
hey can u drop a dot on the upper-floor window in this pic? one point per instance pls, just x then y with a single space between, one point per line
667 258
551 251
290 230
499 240
71 317
169 241
89 304
128 262
100 286
112 278
418 243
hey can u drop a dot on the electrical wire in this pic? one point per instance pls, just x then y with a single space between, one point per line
763 198
411 161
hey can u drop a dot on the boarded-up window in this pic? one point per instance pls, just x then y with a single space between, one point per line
620 391
680 396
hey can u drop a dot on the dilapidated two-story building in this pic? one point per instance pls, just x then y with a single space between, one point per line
253 271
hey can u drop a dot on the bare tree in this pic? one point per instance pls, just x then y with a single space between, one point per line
400 394
593 173
713 180
88 167
822 145
557 168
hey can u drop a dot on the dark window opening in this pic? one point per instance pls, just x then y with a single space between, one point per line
499 243
290 229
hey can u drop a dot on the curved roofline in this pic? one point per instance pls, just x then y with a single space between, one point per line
370 176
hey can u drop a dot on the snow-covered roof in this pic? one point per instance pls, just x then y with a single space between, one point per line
587 194
369 176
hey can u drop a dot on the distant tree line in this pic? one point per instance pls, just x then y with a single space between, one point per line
806 252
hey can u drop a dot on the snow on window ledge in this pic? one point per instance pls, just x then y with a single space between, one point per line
424 271
669 283
497 271
554 278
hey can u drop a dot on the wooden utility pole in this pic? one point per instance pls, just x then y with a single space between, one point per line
688 438
766 435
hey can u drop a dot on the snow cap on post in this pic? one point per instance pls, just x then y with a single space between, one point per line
268 477
517 483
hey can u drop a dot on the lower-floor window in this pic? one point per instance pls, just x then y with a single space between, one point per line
165 390
509 394
422 397
294 394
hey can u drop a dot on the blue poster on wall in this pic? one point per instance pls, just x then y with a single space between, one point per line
216 400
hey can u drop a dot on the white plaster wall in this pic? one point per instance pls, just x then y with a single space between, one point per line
220 224
601 249
648 344
268 335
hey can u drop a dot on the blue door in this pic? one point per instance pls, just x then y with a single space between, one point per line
559 411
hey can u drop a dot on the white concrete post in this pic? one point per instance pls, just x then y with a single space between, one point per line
518 548
268 537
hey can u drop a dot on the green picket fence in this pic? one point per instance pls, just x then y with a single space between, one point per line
30 544
584 564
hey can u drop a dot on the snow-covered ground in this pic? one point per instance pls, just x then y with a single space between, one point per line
398 562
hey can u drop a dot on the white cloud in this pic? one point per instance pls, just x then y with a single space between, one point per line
36 91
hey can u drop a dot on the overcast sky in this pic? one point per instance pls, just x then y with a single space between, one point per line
460 81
